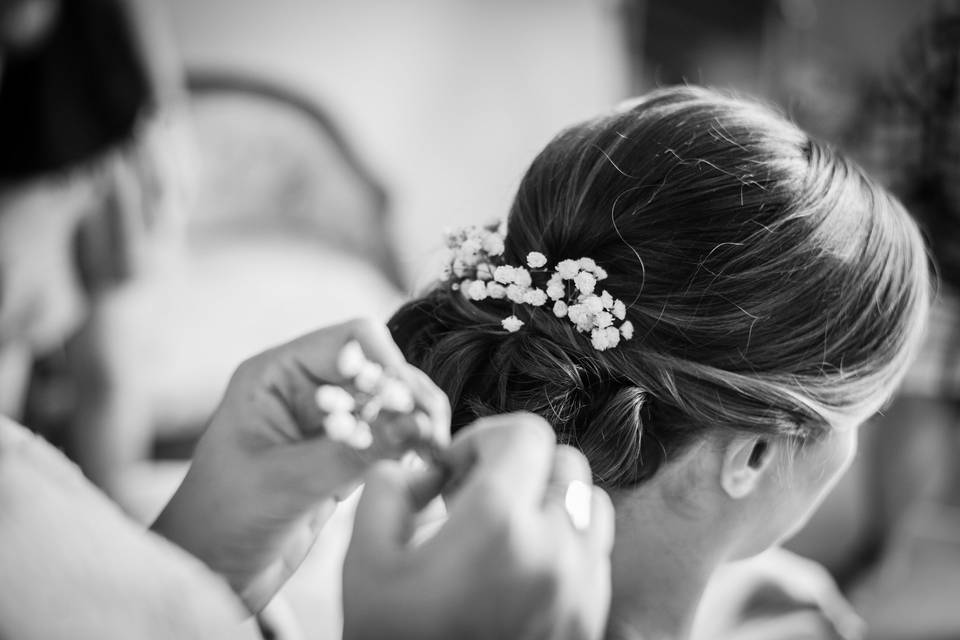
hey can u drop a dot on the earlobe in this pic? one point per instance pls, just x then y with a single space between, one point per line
744 461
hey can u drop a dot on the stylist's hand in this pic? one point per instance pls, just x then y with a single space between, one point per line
508 562
264 476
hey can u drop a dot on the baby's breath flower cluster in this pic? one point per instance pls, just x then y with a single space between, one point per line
348 415
478 271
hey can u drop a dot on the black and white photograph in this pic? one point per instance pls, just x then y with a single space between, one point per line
480 319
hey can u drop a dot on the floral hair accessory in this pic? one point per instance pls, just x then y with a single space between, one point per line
350 410
572 290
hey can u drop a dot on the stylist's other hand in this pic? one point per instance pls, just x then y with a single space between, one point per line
265 477
508 562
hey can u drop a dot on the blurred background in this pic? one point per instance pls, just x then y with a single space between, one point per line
186 182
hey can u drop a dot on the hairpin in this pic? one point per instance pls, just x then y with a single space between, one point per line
477 269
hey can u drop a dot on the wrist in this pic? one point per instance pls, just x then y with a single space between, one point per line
195 520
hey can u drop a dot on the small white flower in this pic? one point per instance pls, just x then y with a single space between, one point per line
556 291
459 268
522 277
560 308
600 272
350 360
587 264
515 293
619 310
512 323
470 247
368 378
493 244
535 260
568 269
585 282
598 338
603 339
503 274
580 316
613 336
607 300
452 237
626 330
593 304
603 320
396 396
477 290
536 297
333 399
339 426
577 312
362 436
556 288
496 290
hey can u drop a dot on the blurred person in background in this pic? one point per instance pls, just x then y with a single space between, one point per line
92 177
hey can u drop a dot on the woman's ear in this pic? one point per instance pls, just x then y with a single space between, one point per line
744 461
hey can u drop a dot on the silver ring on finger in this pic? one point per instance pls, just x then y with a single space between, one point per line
576 502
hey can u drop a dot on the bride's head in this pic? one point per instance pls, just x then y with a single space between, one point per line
776 295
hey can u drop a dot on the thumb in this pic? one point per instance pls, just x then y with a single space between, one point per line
392 496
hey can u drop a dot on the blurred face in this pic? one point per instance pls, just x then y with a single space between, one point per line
796 483
24 23
41 298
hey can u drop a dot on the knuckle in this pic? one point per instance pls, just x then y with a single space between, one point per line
573 457
360 322
603 506
247 369
363 327
255 368
534 429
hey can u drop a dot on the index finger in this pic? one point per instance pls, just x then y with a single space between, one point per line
510 455
391 497
314 357
317 352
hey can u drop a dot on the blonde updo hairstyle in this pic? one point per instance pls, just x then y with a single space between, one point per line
774 288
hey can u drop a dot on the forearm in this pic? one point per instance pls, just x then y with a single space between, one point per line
219 524
196 520
67 549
